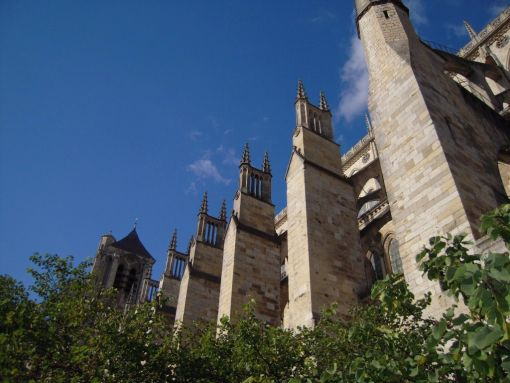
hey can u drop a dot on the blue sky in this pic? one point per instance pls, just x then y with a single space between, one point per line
117 110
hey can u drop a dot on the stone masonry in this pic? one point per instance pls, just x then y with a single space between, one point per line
438 145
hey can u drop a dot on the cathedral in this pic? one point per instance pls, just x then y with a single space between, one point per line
436 157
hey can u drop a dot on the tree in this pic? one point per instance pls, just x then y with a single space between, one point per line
71 331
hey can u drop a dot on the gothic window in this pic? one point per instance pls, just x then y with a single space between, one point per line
131 280
367 207
377 262
119 277
504 170
371 186
392 249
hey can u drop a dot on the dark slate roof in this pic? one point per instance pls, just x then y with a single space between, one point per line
132 244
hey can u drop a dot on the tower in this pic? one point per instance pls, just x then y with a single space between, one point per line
170 281
200 285
125 265
438 144
251 256
324 254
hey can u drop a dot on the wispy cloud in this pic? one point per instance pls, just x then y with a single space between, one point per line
458 30
228 154
213 122
354 76
195 135
228 131
417 11
205 169
322 16
495 9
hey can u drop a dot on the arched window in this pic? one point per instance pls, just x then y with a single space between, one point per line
118 283
367 207
394 254
504 169
371 186
378 268
131 281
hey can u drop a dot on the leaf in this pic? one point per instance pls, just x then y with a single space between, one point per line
439 330
484 337
500 275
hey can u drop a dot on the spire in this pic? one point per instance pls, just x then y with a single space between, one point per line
266 166
173 242
190 243
369 125
301 94
136 223
204 207
472 34
246 155
324 103
223 211
367 122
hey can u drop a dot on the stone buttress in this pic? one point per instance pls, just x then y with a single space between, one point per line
251 255
438 144
200 285
324 254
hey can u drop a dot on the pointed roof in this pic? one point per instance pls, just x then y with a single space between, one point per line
132 244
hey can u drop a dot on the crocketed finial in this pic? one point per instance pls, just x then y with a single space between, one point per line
266 166
173 242
223 211
190 243
246 155
301 90
323 102
471 31
204 207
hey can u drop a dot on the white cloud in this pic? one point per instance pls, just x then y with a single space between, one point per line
322 17
495 9
417 12
458 30
354 76
205 169
195 135
229 155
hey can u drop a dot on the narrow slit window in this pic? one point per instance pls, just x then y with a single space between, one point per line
386 14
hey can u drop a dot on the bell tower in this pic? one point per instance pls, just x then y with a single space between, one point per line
438 144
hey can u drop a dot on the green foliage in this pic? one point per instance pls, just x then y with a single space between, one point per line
473 339
72 332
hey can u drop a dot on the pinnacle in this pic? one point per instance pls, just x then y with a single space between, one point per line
204 207
223 211
266 166
190 243
301 94
173 242
470 30
323 102
368 123
246 155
